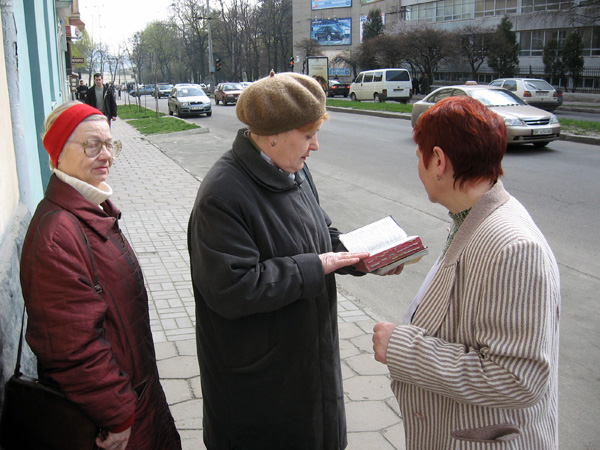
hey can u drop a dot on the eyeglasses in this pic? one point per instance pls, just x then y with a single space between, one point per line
93 147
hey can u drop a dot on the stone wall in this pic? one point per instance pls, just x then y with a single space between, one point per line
11 299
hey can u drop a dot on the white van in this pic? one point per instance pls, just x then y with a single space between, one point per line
381 85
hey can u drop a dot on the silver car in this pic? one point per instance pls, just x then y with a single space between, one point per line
189 100
525 124
534 91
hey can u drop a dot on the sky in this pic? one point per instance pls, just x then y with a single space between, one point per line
113 22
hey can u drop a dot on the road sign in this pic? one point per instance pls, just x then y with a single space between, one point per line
77 60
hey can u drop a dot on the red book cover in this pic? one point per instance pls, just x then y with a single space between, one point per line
387 244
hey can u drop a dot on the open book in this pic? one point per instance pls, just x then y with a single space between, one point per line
388 245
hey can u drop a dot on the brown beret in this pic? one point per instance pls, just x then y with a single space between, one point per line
281 102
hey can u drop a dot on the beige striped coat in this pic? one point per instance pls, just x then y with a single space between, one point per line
477 369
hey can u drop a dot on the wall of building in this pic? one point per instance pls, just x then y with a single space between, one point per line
31 85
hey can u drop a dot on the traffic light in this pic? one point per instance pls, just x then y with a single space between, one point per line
218 63
292 63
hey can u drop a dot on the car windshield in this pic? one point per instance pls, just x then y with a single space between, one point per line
191 92
232 87
538 85
496 97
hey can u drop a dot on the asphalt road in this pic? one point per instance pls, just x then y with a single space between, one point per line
366 169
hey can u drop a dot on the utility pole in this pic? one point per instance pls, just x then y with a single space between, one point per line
211 64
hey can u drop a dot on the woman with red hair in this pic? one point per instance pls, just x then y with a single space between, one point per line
475 364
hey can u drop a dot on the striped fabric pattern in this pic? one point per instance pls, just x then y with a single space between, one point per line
478 367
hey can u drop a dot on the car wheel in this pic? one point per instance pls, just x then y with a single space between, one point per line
540 144
404 101
224 102
178 112
345 95
216 101
377 98
353 97
208 114
170 112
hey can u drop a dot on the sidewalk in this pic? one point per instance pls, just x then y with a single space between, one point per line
156 195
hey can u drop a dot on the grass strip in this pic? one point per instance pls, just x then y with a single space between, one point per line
145 121
127 112
580 127
161 125
371 106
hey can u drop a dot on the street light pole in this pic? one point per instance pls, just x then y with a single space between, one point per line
211 63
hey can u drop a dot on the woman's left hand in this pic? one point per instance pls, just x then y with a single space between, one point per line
114 441
336 260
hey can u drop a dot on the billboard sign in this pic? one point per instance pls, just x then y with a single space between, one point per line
316 67
331 31
324 4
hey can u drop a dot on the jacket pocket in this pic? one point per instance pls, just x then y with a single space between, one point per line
490 433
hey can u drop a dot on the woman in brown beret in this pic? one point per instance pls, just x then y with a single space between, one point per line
263 254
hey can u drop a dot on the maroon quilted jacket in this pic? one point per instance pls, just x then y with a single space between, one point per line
97 347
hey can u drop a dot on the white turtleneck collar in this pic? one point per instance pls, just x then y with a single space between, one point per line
89 192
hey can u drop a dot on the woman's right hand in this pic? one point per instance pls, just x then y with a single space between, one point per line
114 441
333 261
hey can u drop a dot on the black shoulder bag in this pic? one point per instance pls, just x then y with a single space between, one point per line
38 416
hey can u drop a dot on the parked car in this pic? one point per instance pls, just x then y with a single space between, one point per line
189 100
143 89
162 90
228 93
338 88
245 84
525 124
381 85
534 91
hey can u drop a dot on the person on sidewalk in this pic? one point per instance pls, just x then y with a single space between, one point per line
475 364
263 257
88 319
102 96
81 91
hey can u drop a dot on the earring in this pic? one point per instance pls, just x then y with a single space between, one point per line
437 178
272 143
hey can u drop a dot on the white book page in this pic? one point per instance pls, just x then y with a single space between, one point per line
375 237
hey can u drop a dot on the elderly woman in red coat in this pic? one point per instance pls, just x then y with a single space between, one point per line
87 306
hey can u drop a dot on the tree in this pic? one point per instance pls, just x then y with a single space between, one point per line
423 47
553 62
366 55
572 58
503 55
373 25
472 45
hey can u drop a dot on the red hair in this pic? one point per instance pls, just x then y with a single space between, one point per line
472 136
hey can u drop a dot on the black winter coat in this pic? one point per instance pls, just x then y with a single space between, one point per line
110 103
266 314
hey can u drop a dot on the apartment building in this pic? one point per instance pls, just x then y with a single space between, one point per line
337 26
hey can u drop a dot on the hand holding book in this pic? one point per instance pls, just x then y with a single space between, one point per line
387 243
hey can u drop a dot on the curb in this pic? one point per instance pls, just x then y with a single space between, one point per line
592 140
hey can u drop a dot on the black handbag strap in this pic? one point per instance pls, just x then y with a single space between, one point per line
97 287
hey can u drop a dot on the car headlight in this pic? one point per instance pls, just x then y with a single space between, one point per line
513 121
185 103
554 119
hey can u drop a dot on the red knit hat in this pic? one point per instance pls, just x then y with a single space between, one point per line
64 125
